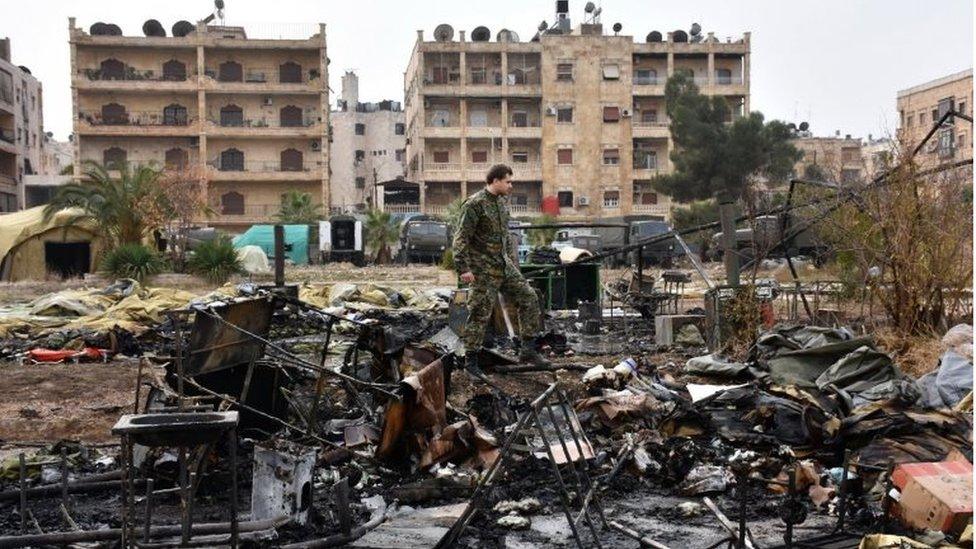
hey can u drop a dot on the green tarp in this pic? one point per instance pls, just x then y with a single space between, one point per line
263 236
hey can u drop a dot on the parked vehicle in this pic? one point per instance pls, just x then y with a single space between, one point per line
341 239
578 238
612 238
659 253
424 238
766 242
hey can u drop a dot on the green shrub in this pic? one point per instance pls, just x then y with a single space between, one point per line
133 261
215 260
447 260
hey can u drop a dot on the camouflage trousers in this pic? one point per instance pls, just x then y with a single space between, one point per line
481 300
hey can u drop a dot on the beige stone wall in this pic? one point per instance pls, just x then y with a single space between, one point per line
840 159
916 108
379 163
22 122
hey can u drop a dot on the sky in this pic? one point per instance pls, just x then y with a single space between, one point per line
836 64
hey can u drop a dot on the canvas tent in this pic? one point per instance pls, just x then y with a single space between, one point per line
31 248
296 241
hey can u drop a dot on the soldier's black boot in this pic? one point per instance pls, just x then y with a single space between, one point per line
472 366
528 353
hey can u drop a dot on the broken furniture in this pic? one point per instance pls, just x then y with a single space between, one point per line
182 430
282 482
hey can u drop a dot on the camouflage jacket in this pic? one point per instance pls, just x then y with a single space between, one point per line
481 241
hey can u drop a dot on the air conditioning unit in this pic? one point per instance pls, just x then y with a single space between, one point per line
583 201
316 145
268 101
625 113
551 111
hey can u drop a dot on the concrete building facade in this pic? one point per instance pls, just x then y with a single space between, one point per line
921 106
578 114
368 147
250 117
835 158
21 129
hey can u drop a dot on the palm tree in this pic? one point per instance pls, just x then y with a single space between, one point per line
382 230
298 208
126 208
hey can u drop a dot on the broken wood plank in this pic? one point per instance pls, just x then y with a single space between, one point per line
633 534
725 522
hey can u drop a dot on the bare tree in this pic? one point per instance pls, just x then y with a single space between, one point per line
186 204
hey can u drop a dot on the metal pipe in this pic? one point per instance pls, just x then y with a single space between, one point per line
563 492
279 255
149 509
23 493
234 526
114 534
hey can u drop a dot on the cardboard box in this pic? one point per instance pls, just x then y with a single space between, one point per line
938 496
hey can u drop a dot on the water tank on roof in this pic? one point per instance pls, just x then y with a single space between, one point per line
481 34
654 36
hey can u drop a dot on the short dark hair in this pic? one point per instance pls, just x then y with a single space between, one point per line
498 171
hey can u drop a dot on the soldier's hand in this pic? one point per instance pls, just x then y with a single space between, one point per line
467 277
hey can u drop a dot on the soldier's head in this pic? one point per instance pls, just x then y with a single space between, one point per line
499 180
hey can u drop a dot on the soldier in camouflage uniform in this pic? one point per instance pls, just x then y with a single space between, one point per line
485 259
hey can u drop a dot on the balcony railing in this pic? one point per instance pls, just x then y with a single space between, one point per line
261 123
728 80
263 75
259 166
659 123
645 162
255 211
656 209
7 94
524 209
401 208
443 166
647 80
7 135
489 77
138 118
135 74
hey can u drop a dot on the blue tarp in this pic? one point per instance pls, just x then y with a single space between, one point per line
263 236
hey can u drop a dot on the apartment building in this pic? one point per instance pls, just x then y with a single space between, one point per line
836 158
921 106
577 112
248 116
21 129
368 147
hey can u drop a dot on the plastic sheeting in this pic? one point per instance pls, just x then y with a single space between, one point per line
263 235
253 259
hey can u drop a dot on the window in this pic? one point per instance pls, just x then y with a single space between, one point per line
611 114
6 87
611 72
648 198
359 156
908 121
114 114
292 160
290 72
112 69
230 71
520 199
401 154
290 117
921 118
478 75
611 199
114 157
439 75
177 158
232 160
564 115
174 70
946 143
645 77
564 72
479 157
520 119
175 115
645 159
564 156
611 157
440 118
935 115
232 203
961 140
520 157
565 199
961 109
231 115
723 76
479 118
360 129
399 128
360 182
649 116
442 157
945 105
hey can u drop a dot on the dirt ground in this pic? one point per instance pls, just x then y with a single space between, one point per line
50 402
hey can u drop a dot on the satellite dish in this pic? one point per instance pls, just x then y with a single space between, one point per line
153 28
183 28
617 27
98 29
506 35
219 4
654 36
590 6
444 33
679 36
804 126
791 126
113 30
695 29
481 34
543 26
23 68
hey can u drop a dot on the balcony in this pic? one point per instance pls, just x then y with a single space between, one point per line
530 130
138 123
252 213
263 170
649 85
8 140
437 131
652 209
401 208
262 127
132 78
526 170
7 180
525 210
442 171
263 80
651 129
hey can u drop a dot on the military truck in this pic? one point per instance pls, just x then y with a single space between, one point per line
424 239
578 238
341 239
659 253
765 242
